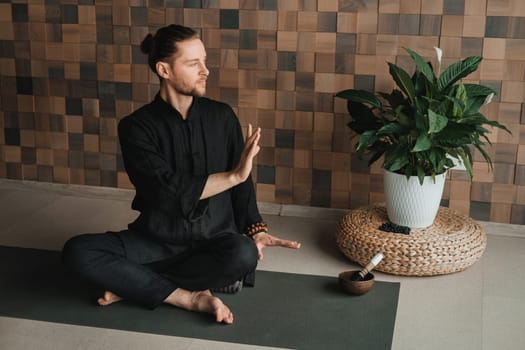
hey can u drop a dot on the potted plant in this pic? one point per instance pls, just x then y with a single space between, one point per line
418 128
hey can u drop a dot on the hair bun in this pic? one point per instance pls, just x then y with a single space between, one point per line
147 44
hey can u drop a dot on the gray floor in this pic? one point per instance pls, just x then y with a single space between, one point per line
482 307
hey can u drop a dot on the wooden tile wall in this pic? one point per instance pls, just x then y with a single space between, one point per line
70 70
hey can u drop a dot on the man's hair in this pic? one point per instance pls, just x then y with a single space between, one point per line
163 44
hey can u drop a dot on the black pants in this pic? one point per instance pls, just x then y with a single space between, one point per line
145 271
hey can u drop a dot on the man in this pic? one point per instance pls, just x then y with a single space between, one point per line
199 228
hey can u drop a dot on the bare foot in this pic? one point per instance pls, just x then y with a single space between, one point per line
108 298
201 301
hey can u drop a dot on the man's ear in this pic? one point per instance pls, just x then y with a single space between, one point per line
163 69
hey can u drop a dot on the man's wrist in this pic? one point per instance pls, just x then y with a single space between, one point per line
256 228
234 178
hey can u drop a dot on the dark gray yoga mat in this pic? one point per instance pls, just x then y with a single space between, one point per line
283 310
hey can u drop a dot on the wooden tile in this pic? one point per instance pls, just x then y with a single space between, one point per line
6 14
367 22
302 177
248 19
325 42
265 192
287 41
285 100
346 22
328 5
267 20
366 44
248 98
494 48
266 156
44 156
266 99
306 21
12 154
323 142
513 69
340 181
410 6
388 23
515 49
459 190
323 122
321 158
264 118
500 212
513 91
474 26
287 21
409 24
451 47
267 59
302 158
267 39
108 144
520 195
365 64
471 47
452 25
248 59
324 63
45 173
473 8
7 33
505 8
389 6
284 158
434 7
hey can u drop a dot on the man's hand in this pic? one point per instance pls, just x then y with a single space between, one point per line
251 148
223 181
263 240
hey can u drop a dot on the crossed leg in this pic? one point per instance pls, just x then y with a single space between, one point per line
104 260
200 301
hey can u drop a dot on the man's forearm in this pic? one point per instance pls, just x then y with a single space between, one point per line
219 182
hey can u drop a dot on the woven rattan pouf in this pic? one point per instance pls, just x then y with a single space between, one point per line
453 243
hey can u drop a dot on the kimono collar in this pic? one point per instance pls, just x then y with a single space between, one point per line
164 108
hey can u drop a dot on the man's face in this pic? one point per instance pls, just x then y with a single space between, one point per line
189 72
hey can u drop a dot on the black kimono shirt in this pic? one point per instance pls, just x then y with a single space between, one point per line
168 160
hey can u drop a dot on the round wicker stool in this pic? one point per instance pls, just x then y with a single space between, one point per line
453 243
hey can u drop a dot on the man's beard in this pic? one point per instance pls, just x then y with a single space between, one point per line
194 91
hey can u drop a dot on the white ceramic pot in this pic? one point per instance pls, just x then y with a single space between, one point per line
408 203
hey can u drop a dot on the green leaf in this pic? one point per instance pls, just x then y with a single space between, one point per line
484 154
423 66
366 139
436 122
466 158
376 156
402 80
423 143
474 104
391 128
458 70
420 174
402 118
360 96
363 118
397 163
474 90
395 98
421 121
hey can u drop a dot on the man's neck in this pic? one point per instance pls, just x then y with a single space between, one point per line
181 103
